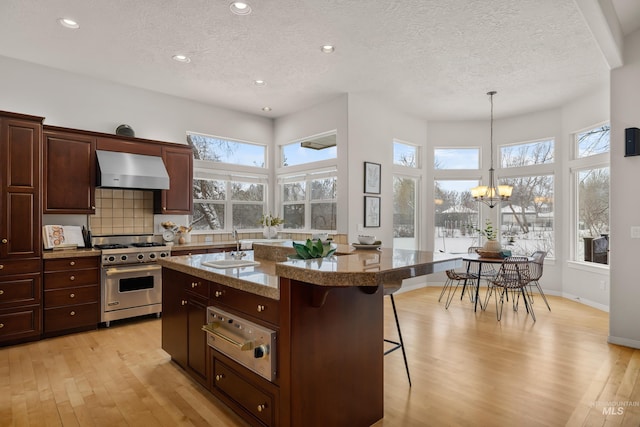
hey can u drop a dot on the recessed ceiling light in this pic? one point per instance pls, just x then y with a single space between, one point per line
181 58
240 8
267 109
259 82
68 23
327 48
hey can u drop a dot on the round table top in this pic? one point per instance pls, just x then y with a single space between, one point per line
474 257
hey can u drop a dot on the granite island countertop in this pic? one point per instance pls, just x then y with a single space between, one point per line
350 267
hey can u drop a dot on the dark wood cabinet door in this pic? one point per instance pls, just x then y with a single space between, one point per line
69 173
178 198
20 164
174 315
197 338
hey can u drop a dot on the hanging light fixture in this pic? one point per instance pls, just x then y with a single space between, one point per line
491 195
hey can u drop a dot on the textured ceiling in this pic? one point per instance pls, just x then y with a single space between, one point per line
434 59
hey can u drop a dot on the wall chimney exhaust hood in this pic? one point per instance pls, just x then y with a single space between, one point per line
320 143
126 170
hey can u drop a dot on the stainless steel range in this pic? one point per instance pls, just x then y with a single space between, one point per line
131 279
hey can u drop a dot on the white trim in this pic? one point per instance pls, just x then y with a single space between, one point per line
590 267
623 341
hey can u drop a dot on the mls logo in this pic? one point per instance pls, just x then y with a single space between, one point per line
612 410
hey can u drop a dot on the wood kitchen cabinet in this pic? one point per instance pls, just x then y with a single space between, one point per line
71 295
20 227
178 199
69 172
184 312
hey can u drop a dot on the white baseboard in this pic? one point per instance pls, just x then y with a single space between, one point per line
623 341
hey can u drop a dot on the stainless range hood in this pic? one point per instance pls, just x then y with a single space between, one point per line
126 170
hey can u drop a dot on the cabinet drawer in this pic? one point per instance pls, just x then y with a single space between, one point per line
70 296
69 317
64 264
20 290
19 323
197 286
254 400
9 267
72 278
256 306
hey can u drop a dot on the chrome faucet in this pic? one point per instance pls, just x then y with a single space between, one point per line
238 254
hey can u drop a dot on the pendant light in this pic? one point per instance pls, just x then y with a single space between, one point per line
491 195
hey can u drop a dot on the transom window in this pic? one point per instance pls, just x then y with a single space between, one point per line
405 155
593 141
526 154
309 150
220 150
456 158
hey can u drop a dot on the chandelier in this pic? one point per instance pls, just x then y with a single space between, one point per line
491 195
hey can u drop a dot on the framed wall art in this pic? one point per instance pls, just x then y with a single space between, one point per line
371 211
372 177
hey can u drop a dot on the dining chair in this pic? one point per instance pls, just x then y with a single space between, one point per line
535 269
513 275
469 274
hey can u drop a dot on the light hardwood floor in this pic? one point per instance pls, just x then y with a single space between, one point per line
467 369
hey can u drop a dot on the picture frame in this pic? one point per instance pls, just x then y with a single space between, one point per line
371 211
372 177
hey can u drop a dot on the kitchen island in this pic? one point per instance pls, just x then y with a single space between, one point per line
327 315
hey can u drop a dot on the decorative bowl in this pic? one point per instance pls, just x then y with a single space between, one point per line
366 240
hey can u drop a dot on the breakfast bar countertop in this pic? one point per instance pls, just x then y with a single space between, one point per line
349 267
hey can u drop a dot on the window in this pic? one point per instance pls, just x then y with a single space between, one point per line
405 194
221 150
456 216
590 170
309 150
219 202
229 183
456 158
526 154
405 155
527 222
309 202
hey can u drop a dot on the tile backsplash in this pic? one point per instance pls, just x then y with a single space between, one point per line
120 211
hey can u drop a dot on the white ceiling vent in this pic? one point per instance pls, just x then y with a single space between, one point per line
320 142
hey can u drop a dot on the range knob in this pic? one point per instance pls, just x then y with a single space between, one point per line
261 351
123 257
140 257
152 256
111 258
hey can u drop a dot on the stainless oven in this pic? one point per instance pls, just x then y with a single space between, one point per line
131 290
249 344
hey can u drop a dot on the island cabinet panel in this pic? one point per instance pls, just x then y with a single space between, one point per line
331 348
184 312
178 199
69 173
20 228
71 295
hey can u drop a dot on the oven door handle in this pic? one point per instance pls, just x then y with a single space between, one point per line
112 271
211 329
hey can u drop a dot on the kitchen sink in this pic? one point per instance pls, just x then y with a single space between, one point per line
230 263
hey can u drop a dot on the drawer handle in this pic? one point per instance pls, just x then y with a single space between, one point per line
1 325
210 328
73 313
72 295
219 377
261 308
262 407
218 294
1 291
72 263
1 266
4 241
194 284
183 302
72 278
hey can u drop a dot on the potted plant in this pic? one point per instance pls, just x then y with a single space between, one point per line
312 250
492 244
270 225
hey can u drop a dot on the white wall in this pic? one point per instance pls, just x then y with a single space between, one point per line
625 203
79 102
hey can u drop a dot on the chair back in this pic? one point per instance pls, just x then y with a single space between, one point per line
536 264
513 273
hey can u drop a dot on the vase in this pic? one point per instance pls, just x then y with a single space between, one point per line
492 246
270 232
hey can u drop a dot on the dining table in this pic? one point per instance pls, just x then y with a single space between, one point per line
481 261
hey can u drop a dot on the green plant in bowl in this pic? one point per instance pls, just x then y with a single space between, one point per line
311 250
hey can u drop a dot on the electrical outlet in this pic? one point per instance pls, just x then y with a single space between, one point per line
635 232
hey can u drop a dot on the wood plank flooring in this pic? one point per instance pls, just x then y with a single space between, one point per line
467 369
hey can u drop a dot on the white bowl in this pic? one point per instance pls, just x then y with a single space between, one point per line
366 240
